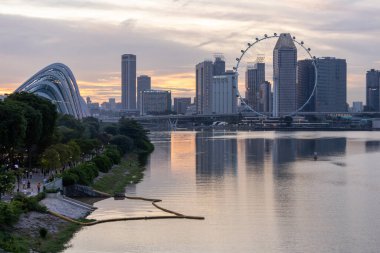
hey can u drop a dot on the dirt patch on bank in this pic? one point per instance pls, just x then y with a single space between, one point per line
30 223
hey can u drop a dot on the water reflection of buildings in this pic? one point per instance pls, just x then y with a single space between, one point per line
372 146
283 151
215 154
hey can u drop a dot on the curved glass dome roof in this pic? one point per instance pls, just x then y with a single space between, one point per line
57 83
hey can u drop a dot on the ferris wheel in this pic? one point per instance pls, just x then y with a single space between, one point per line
260 58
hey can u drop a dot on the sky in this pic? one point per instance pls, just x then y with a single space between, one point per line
170 37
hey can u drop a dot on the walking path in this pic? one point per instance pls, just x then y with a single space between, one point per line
35 179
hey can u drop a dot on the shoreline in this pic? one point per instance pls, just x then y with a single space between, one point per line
60 228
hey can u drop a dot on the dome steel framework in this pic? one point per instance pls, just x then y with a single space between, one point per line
57 83
267 37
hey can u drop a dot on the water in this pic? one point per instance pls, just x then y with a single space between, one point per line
259 192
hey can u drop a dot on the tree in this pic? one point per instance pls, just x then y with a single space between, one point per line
69 127
123 143
74 150
48 112
91 126
112 129
50 159
131 128
7 181
33 131
64 153
12 128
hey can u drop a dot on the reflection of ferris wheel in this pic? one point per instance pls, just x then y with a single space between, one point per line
261 58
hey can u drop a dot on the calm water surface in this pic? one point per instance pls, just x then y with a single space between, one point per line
259 192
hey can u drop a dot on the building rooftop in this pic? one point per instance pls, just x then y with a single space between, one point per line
285 41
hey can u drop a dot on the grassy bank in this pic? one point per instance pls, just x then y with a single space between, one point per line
14 242
127 172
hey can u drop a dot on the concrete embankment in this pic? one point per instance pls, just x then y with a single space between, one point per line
65 206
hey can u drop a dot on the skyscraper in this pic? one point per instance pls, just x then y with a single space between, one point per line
305 85
372 91
254 77
203 75
284 75
223 93
143 83
128 81
219 65
331 94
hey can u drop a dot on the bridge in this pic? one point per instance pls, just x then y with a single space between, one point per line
172 121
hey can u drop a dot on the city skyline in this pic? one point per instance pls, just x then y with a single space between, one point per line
84 36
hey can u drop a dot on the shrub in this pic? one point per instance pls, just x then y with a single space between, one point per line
113 154
103 163
28 204
123 143
43 232
9 213
69 178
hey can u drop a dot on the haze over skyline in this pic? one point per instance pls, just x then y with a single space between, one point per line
170 37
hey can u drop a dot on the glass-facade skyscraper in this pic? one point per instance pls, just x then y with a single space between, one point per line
372 90
331 94
284 76
305 85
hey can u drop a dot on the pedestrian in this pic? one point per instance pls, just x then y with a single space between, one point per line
28 184
23 183
38 187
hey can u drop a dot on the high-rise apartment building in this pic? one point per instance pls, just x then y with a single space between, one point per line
331 93
181 105
305 85
128 81
155 101
284 75
223 93
254 77
372 90
143 83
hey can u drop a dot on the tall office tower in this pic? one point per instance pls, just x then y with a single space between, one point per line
265 97
223 93
181 105
305 85
128 81
372 91
219 65
143 83
155 102
254 77
331 95
284 75
203 75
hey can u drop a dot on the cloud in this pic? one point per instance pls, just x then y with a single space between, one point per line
170 37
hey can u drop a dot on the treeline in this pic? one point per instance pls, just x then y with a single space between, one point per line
34 135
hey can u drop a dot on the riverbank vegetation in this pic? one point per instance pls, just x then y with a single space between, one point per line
33 135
